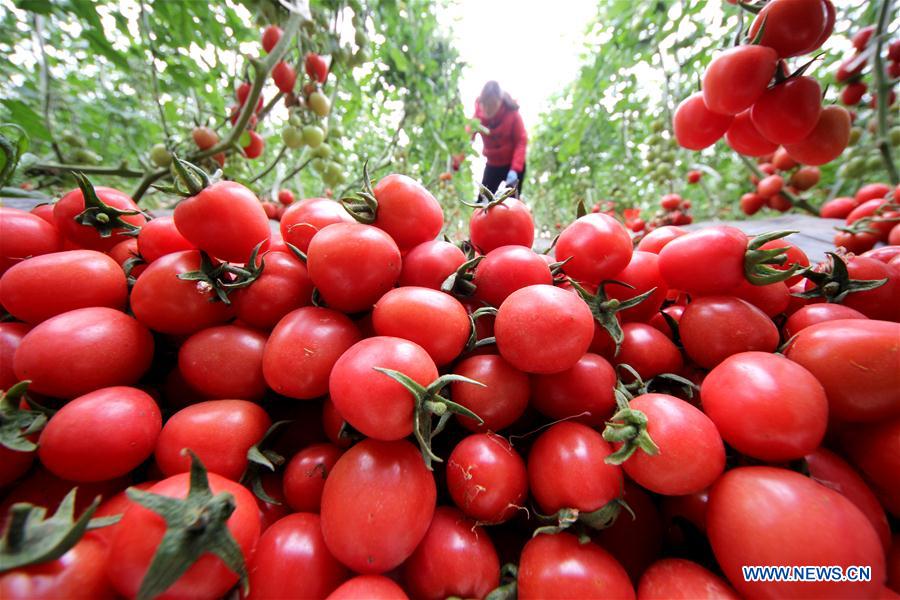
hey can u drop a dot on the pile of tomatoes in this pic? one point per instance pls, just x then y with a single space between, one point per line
780 173
349 406
871 216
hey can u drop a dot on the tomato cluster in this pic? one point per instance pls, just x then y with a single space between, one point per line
351 407
872 215
780 173
750 97
851 72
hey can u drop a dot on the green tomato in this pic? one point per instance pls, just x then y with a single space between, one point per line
296 121
322 151
74 140
894 136
657 125
319 104
361 38
318 165
160 156
874 163
855 134
333 174
85 156
313 135
855 167
292 137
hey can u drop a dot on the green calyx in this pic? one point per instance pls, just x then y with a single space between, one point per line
260 459
567 518
834 283
362 205
865 224
757 262
430 403
488 200
16 424
99 215
195 525
459 283
508 588
628 427
224 278
193 178
605 308
473 341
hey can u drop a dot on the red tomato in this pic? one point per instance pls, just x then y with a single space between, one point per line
885 254
85 236
286 197
566 470
708 261
772 299
675 311
14 464
695 126
430 263
224 362
83 350
507 269
204 137
305 475
353 265
454 559
856 362
371 587
804 524
715 327
316 67
535 345
586 390
372 402
874 448
793 27
826 141
769 186
291 559
679 579
302 349
225 219
560 566
818 313
101 435
857 243
270 37
302 220
434 320
284 76
736 78
377 505
659 237
25 235
598 245
647 351
871 191
407 211
691 454
79 573
160 237
670 201
45 286
837 208
283 286
642 272
503 399
766 406
219 432
11 335
167 304
140 531
744 138
487 478
506 224
694 176
256 145
635 538
788 112
853 93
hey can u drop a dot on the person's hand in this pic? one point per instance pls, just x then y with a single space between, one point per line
511 178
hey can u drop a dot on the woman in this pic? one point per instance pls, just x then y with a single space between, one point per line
506 140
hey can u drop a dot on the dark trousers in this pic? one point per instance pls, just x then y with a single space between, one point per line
494 176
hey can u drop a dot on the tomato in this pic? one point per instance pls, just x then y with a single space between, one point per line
831 471
167 304
271 36
454 559
353 265
373 402
316 67
302 349
772 299
11 335
659 322
219 432
744 138
508 223
371 587
536 345
25 235
101 435
503 399
560 566
871 191
160 237
766 406
670 201
804 523
225 219
566 469
283 286
377 505
659 237
856 362
284 77
598 246
585 390
642 272
77 574
407 211
769 186
707 261
818 313
793 27
737 77
885 254
695 126
857 243
715 327
874 448
140 531
788 113
14 464
487 478
635 538
302 220
507 269
881 224
291 560
826 141
853 93
430 263
204 137
647 351
83 350
679 579
838 208
305 475
85 236
691 454
434 320
224 362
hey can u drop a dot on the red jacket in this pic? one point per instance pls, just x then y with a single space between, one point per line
507 140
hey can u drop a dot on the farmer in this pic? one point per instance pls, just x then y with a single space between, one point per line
506 140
